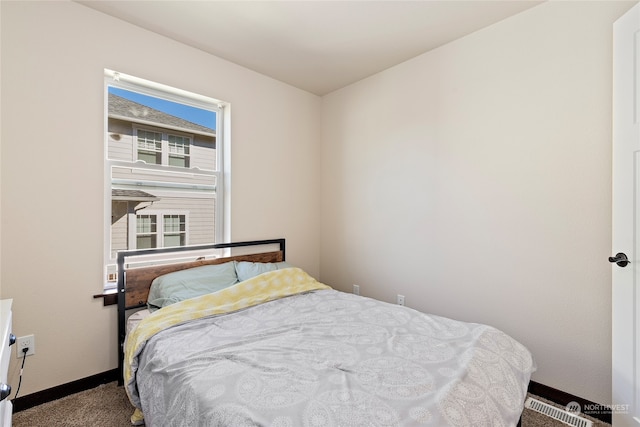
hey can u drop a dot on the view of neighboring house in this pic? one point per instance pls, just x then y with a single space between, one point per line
163 178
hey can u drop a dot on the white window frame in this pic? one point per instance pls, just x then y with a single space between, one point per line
223 162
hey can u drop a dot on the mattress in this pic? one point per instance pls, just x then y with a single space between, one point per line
321 357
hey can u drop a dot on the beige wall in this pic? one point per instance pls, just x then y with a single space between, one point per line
476 181
53 56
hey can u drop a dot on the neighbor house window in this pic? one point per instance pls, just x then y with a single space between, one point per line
162 148
146 231
164 172
160 231
175 230
179 151
149 147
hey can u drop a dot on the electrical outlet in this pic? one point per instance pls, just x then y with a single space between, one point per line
400 299
28 342
356 289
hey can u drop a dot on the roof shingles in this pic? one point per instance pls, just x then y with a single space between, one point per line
122 107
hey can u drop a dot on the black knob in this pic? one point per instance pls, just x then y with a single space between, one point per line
12 339
620 259
5 390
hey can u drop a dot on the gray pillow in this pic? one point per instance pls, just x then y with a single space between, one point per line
190 283
246 270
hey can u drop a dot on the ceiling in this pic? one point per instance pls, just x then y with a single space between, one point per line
318 46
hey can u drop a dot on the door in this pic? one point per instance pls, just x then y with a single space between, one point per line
626 220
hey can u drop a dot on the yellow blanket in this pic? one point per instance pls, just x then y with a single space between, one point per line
263 288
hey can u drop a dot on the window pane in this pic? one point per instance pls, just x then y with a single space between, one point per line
149 140
146 242
174 223
171 240
146 224
150 158
178 161
179 144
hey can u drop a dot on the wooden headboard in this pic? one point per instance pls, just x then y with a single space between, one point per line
134 282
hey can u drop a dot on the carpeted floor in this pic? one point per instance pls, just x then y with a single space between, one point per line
108 406
103 406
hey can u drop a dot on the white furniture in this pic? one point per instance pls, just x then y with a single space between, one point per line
5 353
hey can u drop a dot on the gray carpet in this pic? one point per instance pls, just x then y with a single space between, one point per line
103 406
108 406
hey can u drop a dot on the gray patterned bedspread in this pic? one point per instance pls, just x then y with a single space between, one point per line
328 358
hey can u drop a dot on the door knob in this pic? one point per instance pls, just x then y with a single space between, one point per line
5 391
620 259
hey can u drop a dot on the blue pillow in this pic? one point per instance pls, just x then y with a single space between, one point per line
246 270
190 283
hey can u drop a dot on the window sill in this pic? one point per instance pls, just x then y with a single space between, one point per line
109 297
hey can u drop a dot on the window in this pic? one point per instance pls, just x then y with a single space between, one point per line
150 147
174 230
146 229
171 232
178 151
164 177
157 148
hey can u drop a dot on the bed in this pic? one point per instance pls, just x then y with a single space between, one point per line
275 347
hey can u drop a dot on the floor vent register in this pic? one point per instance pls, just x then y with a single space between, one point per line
566 416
